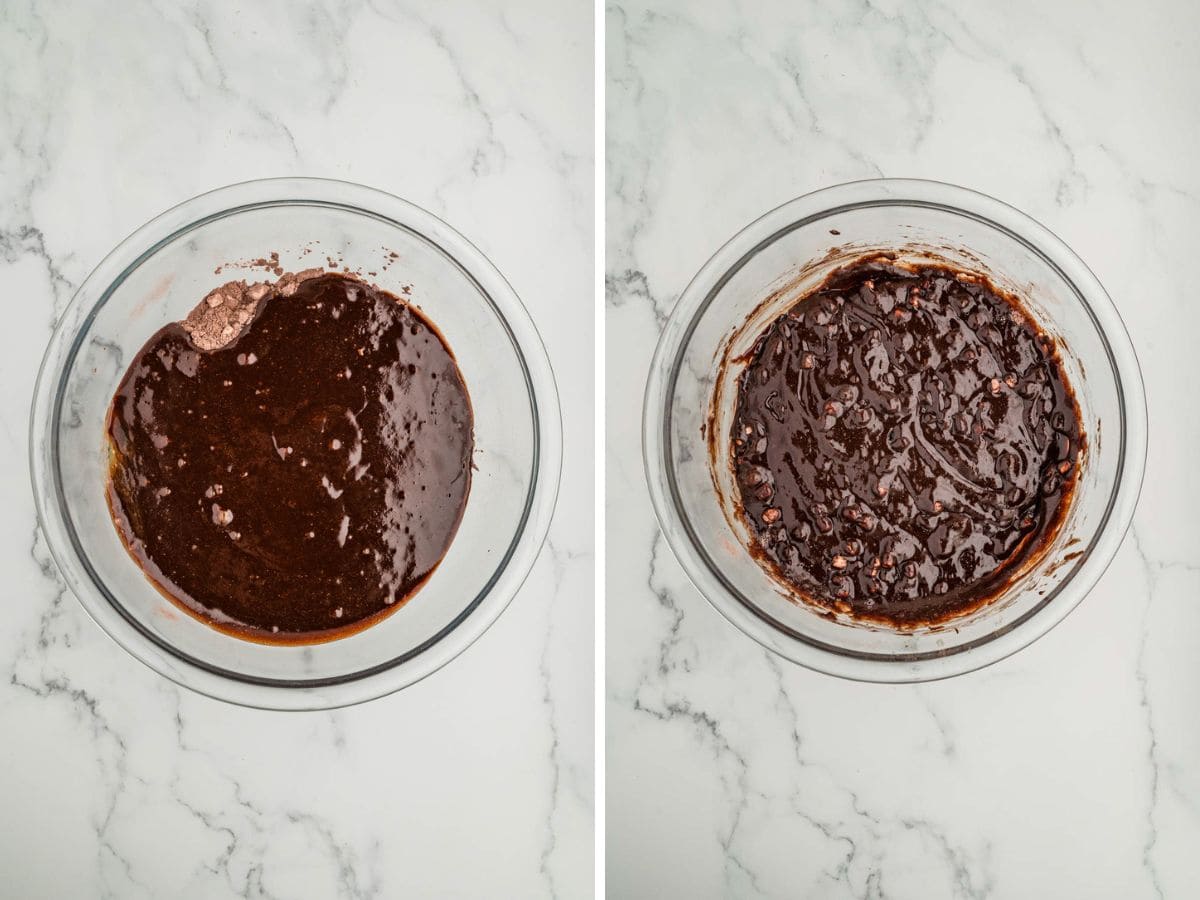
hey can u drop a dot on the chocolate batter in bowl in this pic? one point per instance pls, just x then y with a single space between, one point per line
808 596
290 463
367 594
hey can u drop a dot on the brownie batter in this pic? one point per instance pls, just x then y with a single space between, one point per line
291 462
904 440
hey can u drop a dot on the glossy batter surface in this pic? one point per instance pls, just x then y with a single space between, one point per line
904 439
292 461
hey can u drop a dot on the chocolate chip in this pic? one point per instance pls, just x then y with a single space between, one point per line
752 476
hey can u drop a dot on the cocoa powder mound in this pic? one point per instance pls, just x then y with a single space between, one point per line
227 311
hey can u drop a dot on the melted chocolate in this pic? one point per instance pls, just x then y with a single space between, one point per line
904 441
304 480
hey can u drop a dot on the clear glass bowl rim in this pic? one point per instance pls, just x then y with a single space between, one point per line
808 209
476 616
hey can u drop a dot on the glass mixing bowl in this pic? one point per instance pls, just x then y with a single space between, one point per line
156 276
789 251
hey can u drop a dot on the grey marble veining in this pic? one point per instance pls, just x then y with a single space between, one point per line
476 782
1068 770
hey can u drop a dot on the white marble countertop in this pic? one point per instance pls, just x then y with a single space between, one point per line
476 782
1069 770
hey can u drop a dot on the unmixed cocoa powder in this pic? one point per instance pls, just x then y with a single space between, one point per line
227 311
